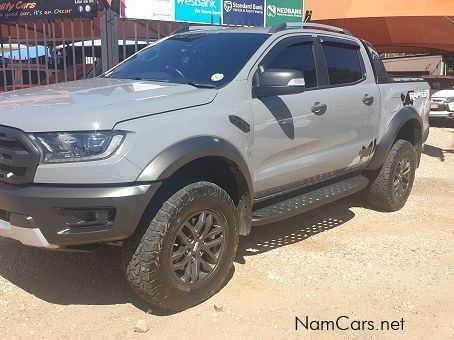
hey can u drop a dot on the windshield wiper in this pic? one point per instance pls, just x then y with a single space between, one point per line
200 86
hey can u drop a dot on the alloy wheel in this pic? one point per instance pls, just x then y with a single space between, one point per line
198 248
402 177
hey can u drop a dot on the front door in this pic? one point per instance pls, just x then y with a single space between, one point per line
292 134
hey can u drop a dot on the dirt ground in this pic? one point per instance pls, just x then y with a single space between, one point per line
340 260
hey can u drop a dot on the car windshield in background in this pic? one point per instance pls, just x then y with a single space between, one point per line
199 59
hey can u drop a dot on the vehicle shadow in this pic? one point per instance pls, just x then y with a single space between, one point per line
437 152
297 229
67 278
97 278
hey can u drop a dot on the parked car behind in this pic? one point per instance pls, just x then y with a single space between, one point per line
442 104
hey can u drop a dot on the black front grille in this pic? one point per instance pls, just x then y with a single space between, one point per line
19 157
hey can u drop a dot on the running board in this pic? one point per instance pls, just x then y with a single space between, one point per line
308 201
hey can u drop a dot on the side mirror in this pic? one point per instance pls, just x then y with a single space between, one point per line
274 82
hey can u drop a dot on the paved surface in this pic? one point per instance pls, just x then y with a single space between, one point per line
343 259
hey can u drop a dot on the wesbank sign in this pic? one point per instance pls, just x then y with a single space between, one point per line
228 12
198 11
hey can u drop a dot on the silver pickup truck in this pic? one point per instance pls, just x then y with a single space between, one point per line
189 143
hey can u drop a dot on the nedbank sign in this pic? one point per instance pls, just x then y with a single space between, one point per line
278 11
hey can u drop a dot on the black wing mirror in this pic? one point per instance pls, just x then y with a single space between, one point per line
274 82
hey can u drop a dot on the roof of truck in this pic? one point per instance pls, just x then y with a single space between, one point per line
300 27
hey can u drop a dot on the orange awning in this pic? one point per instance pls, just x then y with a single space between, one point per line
393 26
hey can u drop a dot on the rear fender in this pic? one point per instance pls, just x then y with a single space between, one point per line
392 131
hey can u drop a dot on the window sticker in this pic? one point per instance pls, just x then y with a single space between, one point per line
217 77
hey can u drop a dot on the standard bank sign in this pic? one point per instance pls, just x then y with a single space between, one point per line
246 12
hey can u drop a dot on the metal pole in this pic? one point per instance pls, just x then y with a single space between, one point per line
109 39
82 34
13 72
3 60
35 32
20 56
46 56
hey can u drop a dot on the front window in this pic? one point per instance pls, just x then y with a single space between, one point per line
200 59
298 57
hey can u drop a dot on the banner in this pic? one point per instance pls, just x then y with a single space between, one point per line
14 10
150 9
243 12
278 11
198 11
228 12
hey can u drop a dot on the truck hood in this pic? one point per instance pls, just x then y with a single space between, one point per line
444 94
94 104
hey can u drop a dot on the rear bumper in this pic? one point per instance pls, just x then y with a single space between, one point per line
441 114
42 216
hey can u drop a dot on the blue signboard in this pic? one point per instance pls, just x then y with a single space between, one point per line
244 12
198 11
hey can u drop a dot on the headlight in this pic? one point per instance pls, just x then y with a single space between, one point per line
65 147
450 100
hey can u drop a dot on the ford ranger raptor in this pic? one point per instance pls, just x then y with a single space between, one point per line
183 147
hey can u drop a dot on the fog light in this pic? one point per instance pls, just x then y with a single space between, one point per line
83 218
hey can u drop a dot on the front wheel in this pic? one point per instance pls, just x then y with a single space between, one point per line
391 186
187 251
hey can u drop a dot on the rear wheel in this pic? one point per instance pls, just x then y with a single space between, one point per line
186 252
391 186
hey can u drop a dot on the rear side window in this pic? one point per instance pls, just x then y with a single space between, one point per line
381 75
343 62
299 57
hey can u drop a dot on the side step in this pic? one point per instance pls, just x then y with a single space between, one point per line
300 204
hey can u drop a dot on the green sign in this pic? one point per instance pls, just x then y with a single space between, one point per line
278 11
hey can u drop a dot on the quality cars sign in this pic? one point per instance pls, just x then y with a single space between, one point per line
246 12
14 10
198 11
278 11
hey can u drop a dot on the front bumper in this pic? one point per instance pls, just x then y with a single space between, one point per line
33 215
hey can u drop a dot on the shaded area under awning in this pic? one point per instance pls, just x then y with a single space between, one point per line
402 34
401 26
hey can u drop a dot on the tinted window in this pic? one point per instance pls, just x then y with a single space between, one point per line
298 57
201 59
381 74
344 65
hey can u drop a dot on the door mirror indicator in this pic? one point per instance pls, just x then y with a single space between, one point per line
279 82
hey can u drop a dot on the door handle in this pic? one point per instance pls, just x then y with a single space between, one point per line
319 109
368 100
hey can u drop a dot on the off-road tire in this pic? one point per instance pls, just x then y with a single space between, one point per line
147 257
381 192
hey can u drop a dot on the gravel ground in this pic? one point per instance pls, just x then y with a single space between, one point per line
342 259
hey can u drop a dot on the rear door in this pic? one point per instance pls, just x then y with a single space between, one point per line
292 134
355 101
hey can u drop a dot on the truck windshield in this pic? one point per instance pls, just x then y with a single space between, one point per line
198 59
